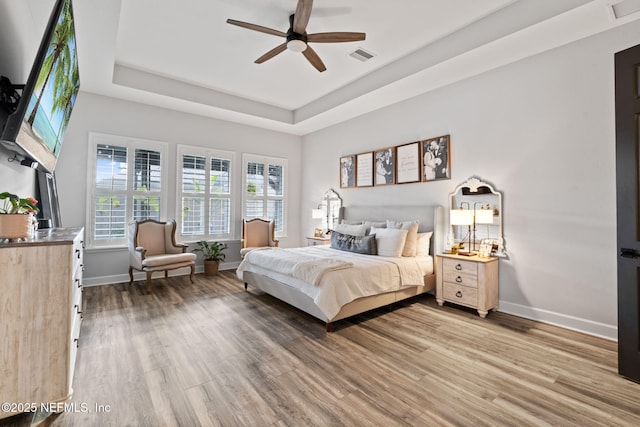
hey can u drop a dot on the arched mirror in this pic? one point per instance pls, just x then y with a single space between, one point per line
476 217
330 206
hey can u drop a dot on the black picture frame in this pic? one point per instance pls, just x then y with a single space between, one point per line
408 163
348 171
436 158
385 166
364 169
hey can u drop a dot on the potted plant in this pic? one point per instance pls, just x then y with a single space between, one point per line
16 216
213 253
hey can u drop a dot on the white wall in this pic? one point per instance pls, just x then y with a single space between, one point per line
95 113
541 131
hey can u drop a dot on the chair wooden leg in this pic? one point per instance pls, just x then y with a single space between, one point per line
130 275
149 273
245 285
193 270
166 274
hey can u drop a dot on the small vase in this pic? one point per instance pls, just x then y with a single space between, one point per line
15 226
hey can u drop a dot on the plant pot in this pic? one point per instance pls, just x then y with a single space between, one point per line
211 267
15 226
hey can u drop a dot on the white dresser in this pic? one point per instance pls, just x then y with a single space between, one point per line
40 316
469 281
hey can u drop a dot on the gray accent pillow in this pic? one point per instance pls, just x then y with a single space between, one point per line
358 244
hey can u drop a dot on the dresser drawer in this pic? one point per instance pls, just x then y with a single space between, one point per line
460 272
78 252
459 294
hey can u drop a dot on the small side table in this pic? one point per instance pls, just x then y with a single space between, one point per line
471 281
315 241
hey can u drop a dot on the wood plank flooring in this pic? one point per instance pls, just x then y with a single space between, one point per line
212 354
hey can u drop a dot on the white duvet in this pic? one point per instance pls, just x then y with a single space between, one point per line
341 278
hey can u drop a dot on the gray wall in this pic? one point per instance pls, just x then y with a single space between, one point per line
95 113
541 131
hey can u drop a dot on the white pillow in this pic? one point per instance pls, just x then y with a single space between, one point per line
390 241
424 242
412 235
351 229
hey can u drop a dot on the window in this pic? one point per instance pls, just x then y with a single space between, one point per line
264 189
204 193
126 182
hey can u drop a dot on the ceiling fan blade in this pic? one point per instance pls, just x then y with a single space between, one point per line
335 37
273 52
255 27
301 16
314 59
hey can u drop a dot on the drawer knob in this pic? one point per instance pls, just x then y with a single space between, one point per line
458 279
458 267
459 294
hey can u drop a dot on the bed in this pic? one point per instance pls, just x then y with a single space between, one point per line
334 284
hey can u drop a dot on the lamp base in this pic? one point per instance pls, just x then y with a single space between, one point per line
470 253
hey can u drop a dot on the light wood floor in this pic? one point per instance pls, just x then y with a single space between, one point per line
212 354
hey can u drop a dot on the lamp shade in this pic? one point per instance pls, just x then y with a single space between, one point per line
484 216
461 217
316 213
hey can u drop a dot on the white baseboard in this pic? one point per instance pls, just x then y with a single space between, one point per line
609 332
120 278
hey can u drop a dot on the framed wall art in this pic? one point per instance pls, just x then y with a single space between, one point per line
436 158
347 171
408 163
385 170
364 169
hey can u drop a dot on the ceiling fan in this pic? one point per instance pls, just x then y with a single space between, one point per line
297 38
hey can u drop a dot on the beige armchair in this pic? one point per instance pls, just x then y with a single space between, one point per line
257 233
152 247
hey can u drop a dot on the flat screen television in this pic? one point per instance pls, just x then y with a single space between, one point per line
36 128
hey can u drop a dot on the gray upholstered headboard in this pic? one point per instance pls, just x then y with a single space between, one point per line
431 218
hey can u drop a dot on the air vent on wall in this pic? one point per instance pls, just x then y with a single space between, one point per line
625 7
361 55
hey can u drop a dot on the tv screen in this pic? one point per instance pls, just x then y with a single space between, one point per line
36 128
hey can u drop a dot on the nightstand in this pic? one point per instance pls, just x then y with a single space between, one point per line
469 281
315 241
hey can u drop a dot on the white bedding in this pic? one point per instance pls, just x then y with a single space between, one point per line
368 275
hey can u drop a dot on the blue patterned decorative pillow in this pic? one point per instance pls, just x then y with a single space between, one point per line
358 244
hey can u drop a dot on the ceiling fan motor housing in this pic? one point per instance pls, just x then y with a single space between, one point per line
296 42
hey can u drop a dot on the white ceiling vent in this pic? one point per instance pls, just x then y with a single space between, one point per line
361 54
625 7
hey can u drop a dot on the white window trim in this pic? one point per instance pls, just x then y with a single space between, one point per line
207 153
131 144
256 158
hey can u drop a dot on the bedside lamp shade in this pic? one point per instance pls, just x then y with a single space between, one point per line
461 217
484 216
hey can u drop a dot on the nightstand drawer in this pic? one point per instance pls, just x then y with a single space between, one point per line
460 294
460 272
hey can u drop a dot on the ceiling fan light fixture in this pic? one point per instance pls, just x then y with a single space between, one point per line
296 45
